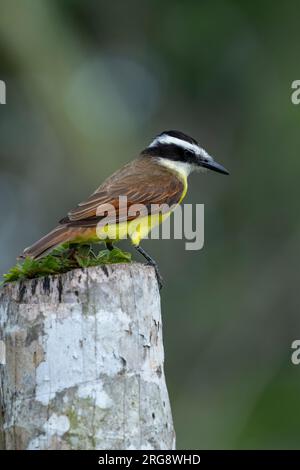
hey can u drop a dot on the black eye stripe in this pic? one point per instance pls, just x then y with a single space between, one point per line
171 152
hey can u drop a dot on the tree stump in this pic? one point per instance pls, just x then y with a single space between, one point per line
81 362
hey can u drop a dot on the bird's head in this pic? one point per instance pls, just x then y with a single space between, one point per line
177 150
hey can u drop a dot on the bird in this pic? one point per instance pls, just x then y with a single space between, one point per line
157 177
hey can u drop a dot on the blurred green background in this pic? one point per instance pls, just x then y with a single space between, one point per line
89 83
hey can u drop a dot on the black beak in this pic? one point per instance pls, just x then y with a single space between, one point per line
212 165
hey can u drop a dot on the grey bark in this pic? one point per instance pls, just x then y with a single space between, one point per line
81 362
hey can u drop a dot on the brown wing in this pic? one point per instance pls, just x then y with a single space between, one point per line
142 181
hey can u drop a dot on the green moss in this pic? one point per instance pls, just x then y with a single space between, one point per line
71 414
64 259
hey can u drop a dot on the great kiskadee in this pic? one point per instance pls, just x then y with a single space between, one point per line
157 177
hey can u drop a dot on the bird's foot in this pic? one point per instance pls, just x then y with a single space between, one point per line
151 262
159 277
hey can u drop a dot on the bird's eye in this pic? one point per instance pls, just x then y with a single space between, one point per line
187 153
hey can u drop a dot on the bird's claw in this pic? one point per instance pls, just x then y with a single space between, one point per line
159 277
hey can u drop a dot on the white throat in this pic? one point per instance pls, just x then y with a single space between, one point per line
182 168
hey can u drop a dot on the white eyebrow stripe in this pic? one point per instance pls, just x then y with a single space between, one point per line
167 139
204 154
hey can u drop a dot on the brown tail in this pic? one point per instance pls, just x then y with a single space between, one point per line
60 234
